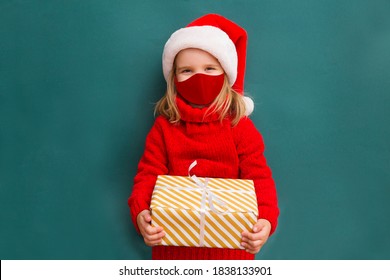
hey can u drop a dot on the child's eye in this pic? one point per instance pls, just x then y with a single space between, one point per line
185 71
210 68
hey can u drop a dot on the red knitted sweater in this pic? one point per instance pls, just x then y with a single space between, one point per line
222 151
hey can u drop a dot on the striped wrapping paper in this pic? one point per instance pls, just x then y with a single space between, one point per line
203 212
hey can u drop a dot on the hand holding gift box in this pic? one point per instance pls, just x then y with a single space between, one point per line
203 212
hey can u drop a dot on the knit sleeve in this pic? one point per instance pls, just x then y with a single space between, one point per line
153 163
253 166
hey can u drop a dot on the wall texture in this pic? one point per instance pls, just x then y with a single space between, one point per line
78 80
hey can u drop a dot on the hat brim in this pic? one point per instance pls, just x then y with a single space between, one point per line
208 38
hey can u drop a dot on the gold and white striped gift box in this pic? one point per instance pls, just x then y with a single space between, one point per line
209 213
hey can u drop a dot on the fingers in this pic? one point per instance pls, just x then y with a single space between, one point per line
150 230
152 235
144 217
255 240
252 242
147 217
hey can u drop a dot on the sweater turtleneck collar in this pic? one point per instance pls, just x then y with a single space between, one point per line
193 114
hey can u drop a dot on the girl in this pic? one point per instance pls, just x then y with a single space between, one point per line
203 117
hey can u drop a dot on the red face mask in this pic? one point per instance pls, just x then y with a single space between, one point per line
200 89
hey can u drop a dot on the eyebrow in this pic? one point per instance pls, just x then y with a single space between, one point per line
206 65
213 65
183 67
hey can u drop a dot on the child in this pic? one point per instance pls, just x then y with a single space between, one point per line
203 117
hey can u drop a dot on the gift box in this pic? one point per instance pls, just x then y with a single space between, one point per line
203 212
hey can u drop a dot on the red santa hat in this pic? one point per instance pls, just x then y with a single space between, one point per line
222 38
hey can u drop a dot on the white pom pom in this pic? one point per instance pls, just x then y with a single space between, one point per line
250 106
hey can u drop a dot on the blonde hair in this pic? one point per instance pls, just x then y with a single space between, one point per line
228 103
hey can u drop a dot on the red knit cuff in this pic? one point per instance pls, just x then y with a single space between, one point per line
271 216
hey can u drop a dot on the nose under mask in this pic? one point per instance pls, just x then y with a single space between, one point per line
200 89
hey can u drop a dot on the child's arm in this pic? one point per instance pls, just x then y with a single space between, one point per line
152 164
253 166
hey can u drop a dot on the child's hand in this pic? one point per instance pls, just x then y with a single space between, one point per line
152 235
252 242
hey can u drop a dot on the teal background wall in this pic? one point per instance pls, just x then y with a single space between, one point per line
78 80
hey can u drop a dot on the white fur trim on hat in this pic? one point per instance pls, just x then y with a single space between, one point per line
249 105
207 38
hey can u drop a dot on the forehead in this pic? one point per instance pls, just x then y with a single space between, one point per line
195 56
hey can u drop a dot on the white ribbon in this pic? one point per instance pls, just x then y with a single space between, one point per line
206 191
